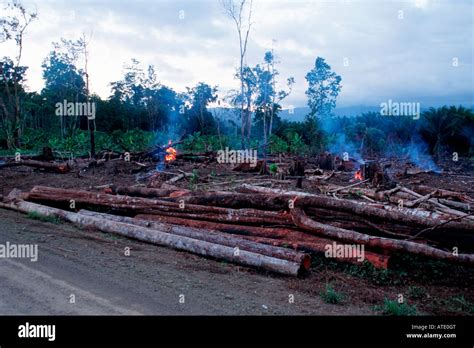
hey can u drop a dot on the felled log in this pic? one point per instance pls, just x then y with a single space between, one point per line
438 205
211 236
208 156
148 192
166 239
234 216
441 193
274 236
466 207
259 167
153 206
361 224
240 230
307 224
48 166
394 195
414 217
378 260
232 200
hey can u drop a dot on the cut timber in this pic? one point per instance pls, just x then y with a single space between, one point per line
139 205
273 236
268 232
307 224
178 177
163 238
319 246
414 217
48 166
147 192
211 236
440 207
232 200
440 193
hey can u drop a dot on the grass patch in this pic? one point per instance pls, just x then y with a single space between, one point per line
193 181
404 270
51 219
416 292
368 271
331 296
458 304
391 307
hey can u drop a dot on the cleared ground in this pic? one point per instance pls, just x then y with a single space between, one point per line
93 266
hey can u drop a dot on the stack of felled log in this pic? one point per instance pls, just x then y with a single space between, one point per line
269 228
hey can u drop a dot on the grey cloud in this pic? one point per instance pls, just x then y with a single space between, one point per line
389 57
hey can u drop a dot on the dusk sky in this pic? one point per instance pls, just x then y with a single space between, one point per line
399 50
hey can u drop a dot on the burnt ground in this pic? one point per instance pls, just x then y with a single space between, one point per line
93 265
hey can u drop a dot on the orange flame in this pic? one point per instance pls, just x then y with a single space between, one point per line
358 175
170 154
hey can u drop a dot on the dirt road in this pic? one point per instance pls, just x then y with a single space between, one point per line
88 272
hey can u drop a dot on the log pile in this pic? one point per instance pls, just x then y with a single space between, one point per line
279 224
270 228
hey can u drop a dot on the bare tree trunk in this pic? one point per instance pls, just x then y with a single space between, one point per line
209 236
236 13
412 217
159 237
307 224
91 123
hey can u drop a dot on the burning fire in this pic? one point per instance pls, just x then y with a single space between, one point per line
170 153
358 175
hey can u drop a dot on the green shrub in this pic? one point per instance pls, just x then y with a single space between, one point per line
391 307
135 140
278 145
77 143
194 179
297 145
34 139
331 296
273 168
201 143
459 304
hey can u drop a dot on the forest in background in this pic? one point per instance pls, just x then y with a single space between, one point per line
141 111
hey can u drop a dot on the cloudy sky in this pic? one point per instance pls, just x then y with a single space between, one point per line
399 50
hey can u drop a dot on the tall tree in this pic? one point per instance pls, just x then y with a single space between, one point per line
83 44
13 26
199 118
268 99
241 14
439 125
72 50
10 75
63 81
324 86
